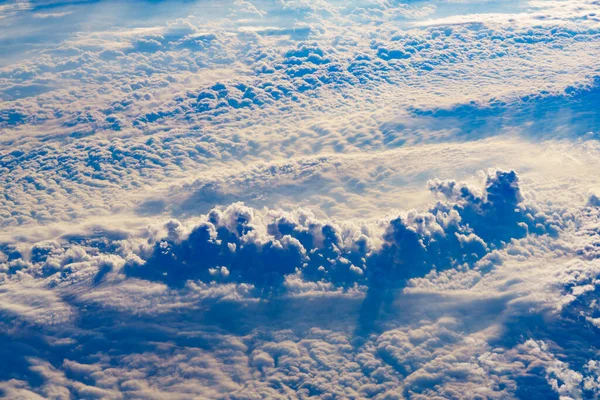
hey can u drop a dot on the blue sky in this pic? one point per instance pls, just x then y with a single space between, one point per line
299 199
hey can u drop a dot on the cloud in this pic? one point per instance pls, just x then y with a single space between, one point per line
459 314
233 246
279 199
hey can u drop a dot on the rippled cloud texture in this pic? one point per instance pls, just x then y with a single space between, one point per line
300 199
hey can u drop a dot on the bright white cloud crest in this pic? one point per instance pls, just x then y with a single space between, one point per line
299 199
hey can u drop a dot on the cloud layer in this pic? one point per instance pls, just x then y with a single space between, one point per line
299 199
442 303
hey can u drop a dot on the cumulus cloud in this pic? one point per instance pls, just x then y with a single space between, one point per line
336 302
234 246
278 199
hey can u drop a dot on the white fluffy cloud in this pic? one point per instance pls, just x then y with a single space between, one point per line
300 199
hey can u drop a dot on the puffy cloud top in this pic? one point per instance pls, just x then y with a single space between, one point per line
460 230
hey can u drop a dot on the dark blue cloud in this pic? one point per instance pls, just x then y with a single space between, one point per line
452 233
